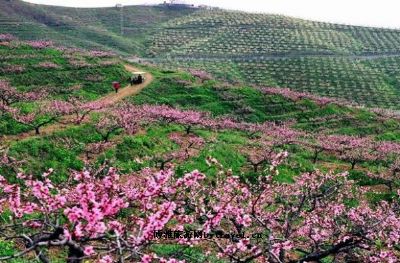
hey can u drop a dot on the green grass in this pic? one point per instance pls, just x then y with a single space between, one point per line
326 59
248 104
60 83
89 27
59 80
42 154
64 150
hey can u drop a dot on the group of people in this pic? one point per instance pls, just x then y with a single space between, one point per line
136 80
132 80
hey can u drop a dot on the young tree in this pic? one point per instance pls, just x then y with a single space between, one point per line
187 143
80 110
40 44
355 149
106 126
43 114
7 161
188 118
7 37
200 74
297 96
391 176
323 143
96 148
386 150
9 95
347 148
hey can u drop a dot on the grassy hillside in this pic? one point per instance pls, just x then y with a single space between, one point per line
86 27
223 33
173 88
59 73
178 31
359 64
76 146
369 82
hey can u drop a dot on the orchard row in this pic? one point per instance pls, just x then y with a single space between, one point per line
230 33
369 82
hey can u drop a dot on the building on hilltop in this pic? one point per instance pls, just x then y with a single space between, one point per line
178 4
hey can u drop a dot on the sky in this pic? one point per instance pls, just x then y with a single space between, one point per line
378 13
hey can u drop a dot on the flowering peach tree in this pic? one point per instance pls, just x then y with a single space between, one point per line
10 95
109 217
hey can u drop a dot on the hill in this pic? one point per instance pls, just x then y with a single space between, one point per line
221 33
165 30
86 27
208 139
359 64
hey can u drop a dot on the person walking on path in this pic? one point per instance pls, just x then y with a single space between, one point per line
140 79
116 86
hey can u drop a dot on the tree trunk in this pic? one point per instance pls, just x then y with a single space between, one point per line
162 165
255 167
75 254
353 165
315 158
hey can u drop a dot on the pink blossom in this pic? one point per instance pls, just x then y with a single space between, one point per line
106 259
40 44
6 37
88 250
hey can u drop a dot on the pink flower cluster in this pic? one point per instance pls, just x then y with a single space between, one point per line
94 78
119 214
147 258
295 96
40 44
7 37
202 75
9 95
13 69
107 63
100 54
48 65
69 50
78 63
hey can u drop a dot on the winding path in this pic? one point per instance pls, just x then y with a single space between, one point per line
111 98
128 90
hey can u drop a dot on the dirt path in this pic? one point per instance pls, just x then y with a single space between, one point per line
128 90
111 98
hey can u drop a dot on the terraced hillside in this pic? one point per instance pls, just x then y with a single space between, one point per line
353 63
358 64
86 27
370 82
219 33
